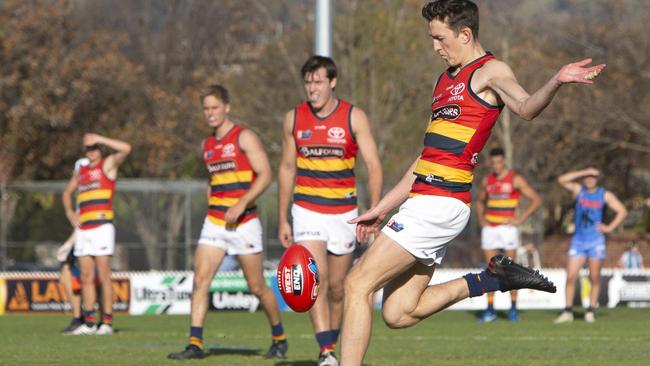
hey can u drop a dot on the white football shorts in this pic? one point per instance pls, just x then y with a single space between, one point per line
246 238
425 225
332 229
98 241
500 237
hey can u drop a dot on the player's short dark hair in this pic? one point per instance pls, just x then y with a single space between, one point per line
455 13
217 91
497 151
316 62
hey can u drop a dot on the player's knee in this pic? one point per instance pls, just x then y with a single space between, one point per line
395 319
87 278
257 289
355 285
201 282
336 291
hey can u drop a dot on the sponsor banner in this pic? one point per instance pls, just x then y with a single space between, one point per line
171 292
161 293
625 288
39 294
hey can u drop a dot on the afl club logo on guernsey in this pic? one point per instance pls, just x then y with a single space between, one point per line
449 112
304 135
336 134
228 150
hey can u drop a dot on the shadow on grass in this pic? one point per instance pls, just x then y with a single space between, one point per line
218 350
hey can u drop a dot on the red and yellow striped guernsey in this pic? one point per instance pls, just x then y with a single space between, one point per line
231 175
502 198
94 196
327 152
461 123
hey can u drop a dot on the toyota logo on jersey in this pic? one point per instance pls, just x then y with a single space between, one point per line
457 89
228 150
336 133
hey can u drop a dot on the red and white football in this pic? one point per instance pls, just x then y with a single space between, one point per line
298 278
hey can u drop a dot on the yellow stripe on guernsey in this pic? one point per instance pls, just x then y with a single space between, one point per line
451 130
426 168
97 194
326 192
226 201
502 203
497 219
96 215
326 165
217 221
231 177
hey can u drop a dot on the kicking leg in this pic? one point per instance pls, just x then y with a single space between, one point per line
384 260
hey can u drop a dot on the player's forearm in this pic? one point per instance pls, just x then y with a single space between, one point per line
117 145
571 176
258 187
531 107
480 209
399 193
67 202
618 219
535 203
375 182
286 180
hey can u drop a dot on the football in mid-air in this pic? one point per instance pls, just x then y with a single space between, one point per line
298 278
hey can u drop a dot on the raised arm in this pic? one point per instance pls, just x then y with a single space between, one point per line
480 203
566 180
500 78
368 148
254 151
527 191
621 213
113 161
286 179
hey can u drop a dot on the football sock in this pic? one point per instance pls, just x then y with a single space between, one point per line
480 283
590 309
89 317
490 298
334 334
324 340
107 318
569 309
277 332
196 337
513 300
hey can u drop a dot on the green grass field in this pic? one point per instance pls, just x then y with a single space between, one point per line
619 337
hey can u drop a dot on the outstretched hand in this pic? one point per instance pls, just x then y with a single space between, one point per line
577 72
367 223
